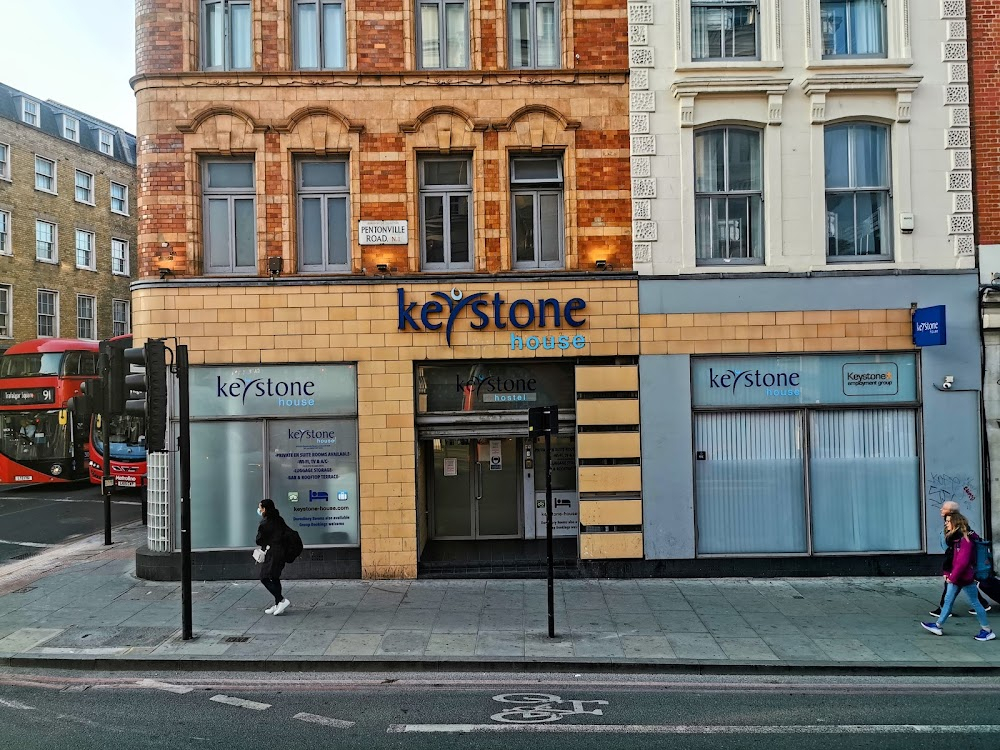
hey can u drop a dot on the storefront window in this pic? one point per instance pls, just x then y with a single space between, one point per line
864 479
494 386
563 464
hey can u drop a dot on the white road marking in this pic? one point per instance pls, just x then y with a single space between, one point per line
685 729
28 544
324 720
229 701
157 685
16 704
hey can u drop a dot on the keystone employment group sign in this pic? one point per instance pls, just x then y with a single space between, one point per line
493 311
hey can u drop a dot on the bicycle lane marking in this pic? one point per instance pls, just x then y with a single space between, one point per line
533 708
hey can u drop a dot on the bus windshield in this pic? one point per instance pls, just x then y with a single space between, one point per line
29 365
128 437
34 436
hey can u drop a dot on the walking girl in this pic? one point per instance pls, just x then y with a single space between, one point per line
271 538
961 577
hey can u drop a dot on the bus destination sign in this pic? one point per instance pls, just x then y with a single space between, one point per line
19 396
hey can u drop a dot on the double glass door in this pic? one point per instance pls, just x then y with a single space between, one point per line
476 488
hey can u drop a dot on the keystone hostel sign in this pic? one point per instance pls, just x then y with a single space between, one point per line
494 311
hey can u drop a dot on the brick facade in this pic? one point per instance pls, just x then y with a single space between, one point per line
18 196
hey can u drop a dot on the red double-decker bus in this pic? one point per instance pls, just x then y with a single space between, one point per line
127 441
41 438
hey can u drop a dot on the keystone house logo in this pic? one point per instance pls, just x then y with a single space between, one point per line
495 311
775 383
286 392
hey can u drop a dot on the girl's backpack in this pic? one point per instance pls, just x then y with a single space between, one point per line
982 562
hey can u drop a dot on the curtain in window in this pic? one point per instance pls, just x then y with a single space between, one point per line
864 479
458 35
240 36
430 33
337 231
749 490
706 28
214 35
548 35
866 21
334 43
307 35
520 35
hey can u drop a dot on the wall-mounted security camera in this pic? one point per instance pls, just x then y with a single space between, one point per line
949 381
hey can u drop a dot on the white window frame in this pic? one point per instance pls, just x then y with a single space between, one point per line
318 40
5 162
55 241
90 250
111 195
124 321
6 244
31 108
71 128
55 313
80 318
54 190
117 243
89 199
227 63
898 44
443 35
106 142
6 311
769 54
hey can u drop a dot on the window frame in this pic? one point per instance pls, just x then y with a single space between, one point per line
227 65
67 130
80 319
6 311
758 254
125 306
889 230
54 190
231 195
533 34
727 5
5 166
537 188
36 114
446 192
6 243
90 190
442 35
325 194
54 243
91 251
320 33
125 270
54 314
106 138
884 55
111 197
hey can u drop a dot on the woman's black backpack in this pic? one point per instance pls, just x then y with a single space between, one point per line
292 544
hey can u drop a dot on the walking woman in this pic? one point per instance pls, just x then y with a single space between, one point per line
271 539
961 577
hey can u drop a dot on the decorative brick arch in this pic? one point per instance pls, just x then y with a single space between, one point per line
444 129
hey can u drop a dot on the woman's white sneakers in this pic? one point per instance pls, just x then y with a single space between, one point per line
270 610
285 604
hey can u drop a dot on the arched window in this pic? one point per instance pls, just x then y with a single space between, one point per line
858 216
728 178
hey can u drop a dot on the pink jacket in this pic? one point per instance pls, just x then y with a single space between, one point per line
962 573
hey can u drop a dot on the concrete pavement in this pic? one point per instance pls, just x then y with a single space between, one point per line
81 606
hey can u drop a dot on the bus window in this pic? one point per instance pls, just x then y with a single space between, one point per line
71 365
37 435
29 365
88 363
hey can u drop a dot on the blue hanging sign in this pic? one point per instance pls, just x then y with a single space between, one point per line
929 326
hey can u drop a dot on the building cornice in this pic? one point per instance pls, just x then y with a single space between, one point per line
695 85
824 83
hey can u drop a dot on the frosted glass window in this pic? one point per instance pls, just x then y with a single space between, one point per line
864 480
750 486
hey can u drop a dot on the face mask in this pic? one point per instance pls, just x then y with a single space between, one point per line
260 512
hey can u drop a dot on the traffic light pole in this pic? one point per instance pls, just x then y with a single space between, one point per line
184 444
104 363
548 533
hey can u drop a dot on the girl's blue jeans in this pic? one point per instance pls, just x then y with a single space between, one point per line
972 594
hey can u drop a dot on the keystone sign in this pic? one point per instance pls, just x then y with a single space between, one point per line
930 326
491 311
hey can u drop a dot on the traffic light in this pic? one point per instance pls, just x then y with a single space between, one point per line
93 396
117 391
152 384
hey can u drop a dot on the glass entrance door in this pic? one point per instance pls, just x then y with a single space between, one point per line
476 490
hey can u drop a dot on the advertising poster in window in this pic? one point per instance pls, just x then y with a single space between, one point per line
313 478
